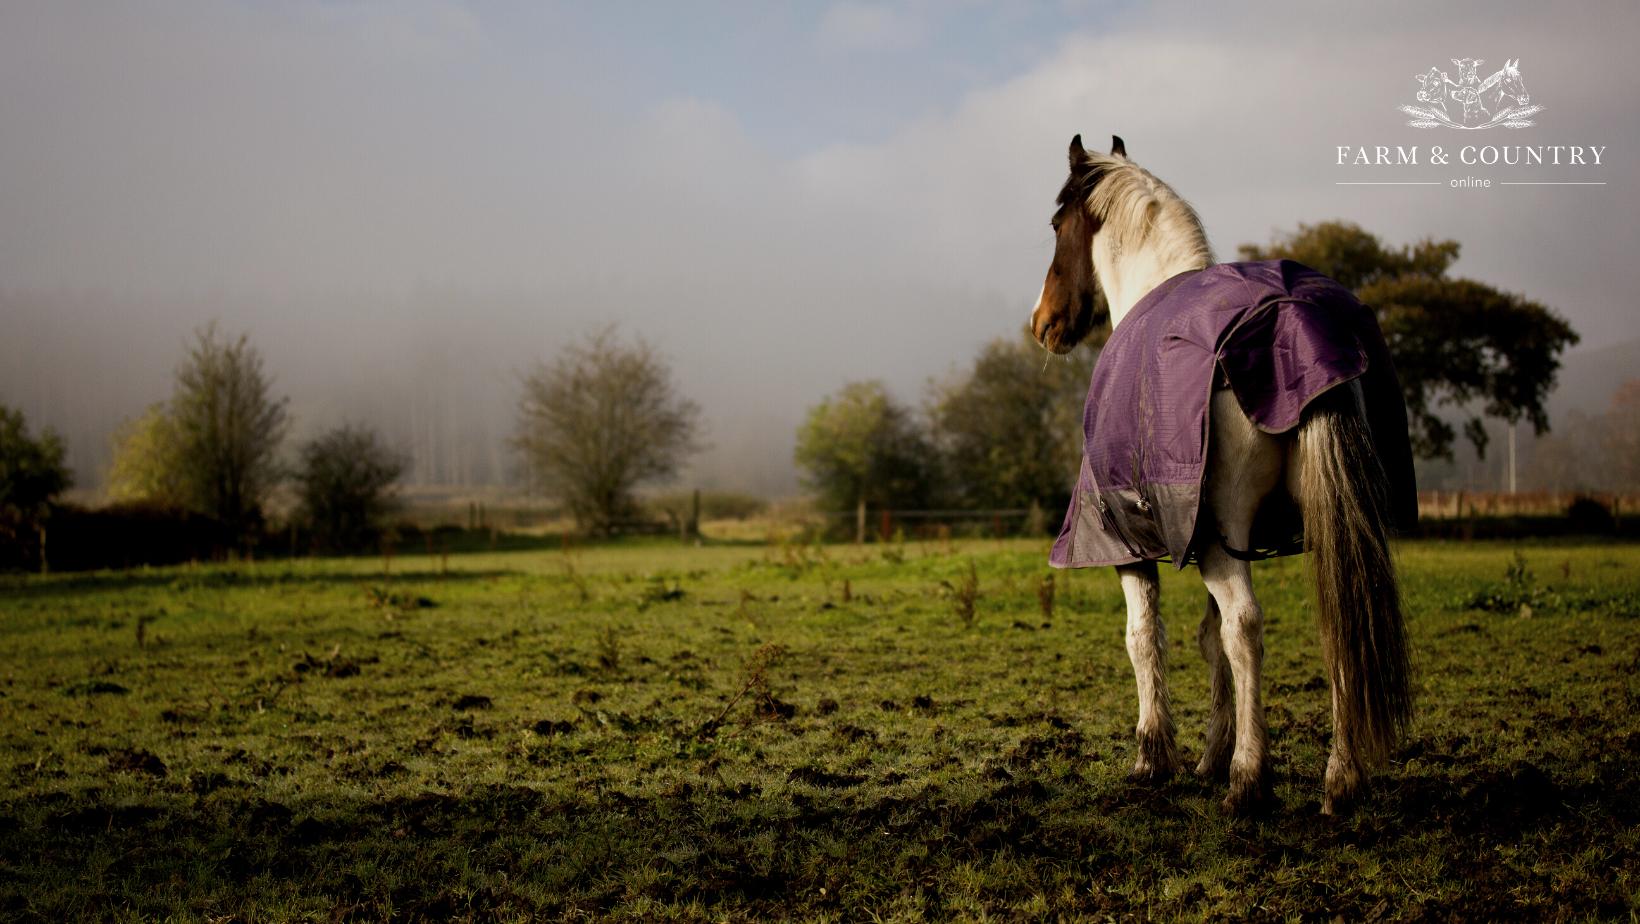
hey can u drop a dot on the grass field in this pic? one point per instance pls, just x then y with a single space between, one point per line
535 735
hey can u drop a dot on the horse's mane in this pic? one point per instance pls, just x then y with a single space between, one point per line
1138 210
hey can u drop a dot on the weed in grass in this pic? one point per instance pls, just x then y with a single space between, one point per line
576 579
966 596
755 679
1044 596
609 649
1516 573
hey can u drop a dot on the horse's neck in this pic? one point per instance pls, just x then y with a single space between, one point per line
1129 278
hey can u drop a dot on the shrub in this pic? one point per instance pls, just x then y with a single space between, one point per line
345 479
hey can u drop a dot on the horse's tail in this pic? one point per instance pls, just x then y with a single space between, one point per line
1346 533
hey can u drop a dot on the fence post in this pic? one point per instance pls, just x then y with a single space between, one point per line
860 523
888 525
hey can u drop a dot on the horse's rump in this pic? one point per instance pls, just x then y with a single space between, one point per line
1283 334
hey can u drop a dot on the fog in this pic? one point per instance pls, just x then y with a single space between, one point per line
406 205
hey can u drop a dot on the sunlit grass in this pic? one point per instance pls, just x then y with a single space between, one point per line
519 734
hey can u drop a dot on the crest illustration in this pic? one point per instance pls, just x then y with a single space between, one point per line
1479 103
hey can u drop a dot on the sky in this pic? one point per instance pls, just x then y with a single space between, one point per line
408 204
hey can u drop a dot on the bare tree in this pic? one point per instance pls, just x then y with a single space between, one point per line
601 420
228 428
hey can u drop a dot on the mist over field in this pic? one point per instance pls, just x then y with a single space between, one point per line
407 205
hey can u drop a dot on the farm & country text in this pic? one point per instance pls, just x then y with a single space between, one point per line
1519 154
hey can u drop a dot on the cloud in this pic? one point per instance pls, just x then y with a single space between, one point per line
401 29
406 178
853 26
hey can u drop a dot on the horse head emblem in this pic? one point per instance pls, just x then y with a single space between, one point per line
1510 83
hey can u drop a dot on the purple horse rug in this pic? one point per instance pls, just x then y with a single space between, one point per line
1280 334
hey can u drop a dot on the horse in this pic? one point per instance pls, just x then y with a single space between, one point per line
1505 82
1122 233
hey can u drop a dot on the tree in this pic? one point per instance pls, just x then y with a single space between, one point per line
1573 458
228 429
344 480
1622 438
147 466
1010 431
32 473
604 418
862 446
31 470
1454 341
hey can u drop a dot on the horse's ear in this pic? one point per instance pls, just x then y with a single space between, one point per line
1117 148
1077 151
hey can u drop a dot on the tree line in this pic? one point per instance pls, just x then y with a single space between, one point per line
602 419
213 449
605 417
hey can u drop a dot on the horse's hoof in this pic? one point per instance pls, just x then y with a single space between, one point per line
1249 802
1250 795
1149 775
1158 760
1346 785
1341 805
1216 772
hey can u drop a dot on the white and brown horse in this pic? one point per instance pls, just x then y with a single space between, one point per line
1121 231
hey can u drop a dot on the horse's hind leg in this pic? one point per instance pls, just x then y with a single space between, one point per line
1147 647
1346 774
1244 466
1221 729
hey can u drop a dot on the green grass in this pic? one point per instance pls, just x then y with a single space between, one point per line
521 739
